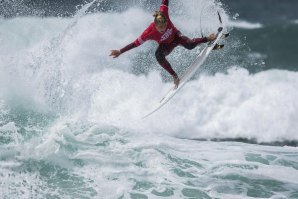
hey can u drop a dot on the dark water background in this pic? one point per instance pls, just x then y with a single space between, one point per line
265 11
276 40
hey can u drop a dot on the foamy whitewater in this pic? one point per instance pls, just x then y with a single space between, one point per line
245 25
70 115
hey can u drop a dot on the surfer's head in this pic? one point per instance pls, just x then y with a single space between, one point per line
160 21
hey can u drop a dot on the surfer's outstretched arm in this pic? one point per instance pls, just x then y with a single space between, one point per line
139 41
165 2
116 53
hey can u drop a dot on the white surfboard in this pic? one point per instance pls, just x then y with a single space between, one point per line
189 73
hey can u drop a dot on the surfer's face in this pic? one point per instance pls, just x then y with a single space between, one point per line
161 27
160 23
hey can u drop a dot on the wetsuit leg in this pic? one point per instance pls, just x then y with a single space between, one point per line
190 43
162 51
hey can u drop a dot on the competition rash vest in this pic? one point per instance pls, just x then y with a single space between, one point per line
151 33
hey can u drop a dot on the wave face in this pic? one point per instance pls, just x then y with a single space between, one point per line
70 122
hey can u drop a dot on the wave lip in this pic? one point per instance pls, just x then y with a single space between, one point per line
245 24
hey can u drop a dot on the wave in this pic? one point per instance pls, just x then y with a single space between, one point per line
235 105
66 68
258 108
92 162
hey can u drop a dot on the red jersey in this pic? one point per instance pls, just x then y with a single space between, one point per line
151 33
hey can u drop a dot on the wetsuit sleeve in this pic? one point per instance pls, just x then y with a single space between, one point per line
139 41
128 47
164 7
165 2
144 37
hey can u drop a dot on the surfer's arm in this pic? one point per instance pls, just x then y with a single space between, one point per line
136 43
128 47
164 7
165 2
139 41
116 53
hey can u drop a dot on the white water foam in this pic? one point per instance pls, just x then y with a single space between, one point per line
244 24
21 185
233 105
114 162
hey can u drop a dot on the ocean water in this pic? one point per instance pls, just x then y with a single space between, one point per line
70 115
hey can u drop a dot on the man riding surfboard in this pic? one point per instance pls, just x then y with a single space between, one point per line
163 31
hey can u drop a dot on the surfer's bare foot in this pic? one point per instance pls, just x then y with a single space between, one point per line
176 81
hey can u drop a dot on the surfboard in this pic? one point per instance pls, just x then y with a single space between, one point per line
200 59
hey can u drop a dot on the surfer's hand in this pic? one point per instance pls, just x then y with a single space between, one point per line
211 37
115 53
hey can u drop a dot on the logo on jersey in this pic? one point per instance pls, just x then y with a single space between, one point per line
167 34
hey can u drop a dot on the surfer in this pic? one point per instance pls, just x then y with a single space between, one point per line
163 31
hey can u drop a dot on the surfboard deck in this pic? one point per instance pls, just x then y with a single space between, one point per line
200 59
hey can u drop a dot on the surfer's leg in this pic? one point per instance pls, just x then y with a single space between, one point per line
191 43
160 55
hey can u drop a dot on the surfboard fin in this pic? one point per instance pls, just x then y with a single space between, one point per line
218 46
